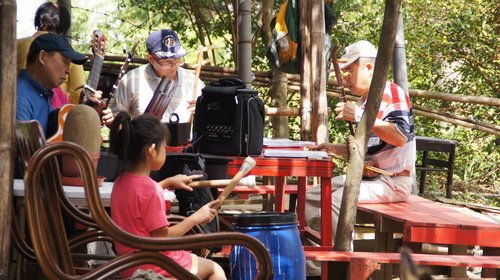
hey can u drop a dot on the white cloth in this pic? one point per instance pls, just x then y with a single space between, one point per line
137 87
383 190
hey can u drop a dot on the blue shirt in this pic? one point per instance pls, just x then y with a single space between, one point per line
33 100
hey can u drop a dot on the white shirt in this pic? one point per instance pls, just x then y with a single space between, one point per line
137 87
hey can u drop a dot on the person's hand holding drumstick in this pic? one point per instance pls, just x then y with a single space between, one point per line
340 151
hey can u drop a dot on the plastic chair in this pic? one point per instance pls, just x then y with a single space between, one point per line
43 186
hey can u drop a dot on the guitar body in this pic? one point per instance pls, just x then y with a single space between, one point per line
61 113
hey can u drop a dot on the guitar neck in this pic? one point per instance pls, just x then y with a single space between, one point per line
95 73
123 69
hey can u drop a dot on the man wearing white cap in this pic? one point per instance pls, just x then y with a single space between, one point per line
137 87
391 145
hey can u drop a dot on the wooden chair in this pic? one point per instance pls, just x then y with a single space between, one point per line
30 138
43 188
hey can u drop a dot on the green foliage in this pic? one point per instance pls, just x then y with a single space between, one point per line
457 51
451 46
454 51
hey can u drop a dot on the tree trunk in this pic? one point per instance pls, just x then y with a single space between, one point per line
7 119
318 70
67 4
279 81
357 144
399 57
305 77
278 96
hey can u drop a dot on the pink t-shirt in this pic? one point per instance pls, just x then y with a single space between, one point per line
138 207
59 98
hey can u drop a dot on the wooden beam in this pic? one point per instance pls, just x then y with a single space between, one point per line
7 118
305 78
318 71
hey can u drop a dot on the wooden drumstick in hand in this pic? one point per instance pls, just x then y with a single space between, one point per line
247 165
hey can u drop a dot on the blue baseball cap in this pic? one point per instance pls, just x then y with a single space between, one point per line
165 44
55 42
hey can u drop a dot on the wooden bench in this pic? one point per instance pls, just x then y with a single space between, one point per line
363 264
419 220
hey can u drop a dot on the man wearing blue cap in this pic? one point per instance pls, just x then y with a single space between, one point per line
47 67
137 87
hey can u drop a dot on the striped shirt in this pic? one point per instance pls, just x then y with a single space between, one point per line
137 87
395 108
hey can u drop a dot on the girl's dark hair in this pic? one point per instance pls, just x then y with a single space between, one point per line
52 18
130 136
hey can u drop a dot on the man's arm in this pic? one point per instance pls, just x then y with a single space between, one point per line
386 131
338 149
389 133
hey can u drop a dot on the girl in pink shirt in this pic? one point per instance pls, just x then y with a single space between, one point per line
137 202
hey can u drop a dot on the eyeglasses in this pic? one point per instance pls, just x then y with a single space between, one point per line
167 63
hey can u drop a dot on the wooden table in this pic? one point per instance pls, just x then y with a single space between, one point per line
302 168
424 221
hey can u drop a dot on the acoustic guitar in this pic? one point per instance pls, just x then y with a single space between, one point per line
58 116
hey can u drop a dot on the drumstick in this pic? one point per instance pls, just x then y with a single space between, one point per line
209 183
378 170
247 165
250 182
369 167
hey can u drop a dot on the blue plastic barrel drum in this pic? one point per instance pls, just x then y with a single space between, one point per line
280 235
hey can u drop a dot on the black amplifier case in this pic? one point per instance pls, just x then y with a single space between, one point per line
229 120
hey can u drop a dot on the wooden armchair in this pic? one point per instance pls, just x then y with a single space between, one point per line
51 246
30 138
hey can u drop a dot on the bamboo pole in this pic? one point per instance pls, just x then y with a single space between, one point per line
481 100
456 121
264 79
244 31
7 119
457 117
